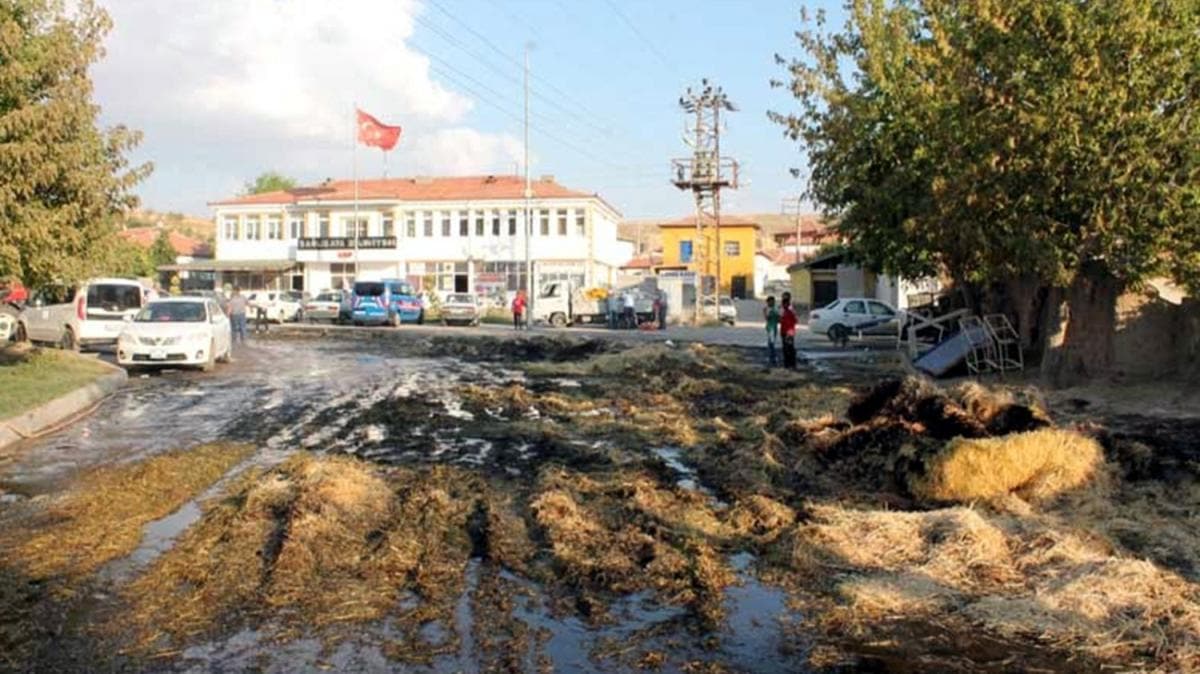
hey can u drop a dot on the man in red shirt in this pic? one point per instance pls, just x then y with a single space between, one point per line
518 309
787 329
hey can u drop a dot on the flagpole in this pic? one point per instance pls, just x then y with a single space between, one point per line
354 170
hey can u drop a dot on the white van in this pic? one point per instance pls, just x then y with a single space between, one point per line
89 314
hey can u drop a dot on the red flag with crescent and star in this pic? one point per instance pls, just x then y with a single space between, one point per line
375 133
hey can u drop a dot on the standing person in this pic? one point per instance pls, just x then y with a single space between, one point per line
237 315
662 310
630 314
787 326
771 316
518 309
610 305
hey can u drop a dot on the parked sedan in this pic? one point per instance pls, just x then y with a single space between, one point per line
460 308
326 306
176 331
279 306
841 318
726 314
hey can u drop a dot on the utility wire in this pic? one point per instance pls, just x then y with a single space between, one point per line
583 110
646 42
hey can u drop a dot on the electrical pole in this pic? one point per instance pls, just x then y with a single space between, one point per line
529 292
794 206
705 173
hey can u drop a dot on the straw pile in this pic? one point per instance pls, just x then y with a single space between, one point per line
1037 466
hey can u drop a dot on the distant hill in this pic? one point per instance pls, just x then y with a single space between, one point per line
199 228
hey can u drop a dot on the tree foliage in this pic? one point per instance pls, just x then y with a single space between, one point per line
1000 139
64 180
271 181
161 251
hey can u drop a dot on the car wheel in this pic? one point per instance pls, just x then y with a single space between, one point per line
838 334
558 319
208 364
22 336
68 342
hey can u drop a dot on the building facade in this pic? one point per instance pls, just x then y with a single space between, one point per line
739 241
460 234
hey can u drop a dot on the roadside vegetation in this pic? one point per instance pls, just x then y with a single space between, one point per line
30 376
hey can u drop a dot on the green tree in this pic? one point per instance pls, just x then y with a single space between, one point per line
271 181
1038 143
64 180
127 259
161 251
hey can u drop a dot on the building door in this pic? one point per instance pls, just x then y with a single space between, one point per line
461 283
737 287
824 292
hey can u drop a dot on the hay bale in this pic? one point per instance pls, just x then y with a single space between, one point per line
1037 465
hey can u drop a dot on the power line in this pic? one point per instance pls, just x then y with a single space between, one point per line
583 111
646 42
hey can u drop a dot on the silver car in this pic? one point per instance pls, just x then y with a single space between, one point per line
460 309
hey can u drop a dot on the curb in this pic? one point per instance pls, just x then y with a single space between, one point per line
62 410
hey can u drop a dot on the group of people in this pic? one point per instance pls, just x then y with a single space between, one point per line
781 326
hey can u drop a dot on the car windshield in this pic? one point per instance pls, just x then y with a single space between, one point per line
368 289
329 297
833 305
459 299
401 289
726 302
172 312
114 296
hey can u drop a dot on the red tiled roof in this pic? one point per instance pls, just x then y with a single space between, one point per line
412 189
181 243
730 220
643 261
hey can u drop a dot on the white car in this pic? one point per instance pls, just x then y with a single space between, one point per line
460 308
176 331
842 318
727 313
73 317
280 306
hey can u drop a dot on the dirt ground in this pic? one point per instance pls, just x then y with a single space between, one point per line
563 504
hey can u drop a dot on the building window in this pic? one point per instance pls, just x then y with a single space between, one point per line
464 224
274 227
323 225
446 220
387 225
580 223
341 275
410 225
427 221
495 223
350 230
733 248
479 224
562 222
295 226
685 251
544 222
230 229
252 231
512 223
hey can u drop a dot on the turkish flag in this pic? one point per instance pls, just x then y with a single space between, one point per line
375 133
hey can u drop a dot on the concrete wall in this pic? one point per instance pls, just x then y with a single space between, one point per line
1156 338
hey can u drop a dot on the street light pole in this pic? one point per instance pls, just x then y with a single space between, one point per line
529 292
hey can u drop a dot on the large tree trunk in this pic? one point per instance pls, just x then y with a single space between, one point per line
1079 328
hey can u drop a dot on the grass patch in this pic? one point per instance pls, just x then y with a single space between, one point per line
29 378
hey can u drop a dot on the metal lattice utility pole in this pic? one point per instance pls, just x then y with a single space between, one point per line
704 174
794 206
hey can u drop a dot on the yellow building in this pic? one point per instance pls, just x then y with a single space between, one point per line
682 249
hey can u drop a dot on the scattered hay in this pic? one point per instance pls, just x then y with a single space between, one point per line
1037 465
102 518
312 543
626 534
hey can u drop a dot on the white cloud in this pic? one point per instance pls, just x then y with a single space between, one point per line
224 89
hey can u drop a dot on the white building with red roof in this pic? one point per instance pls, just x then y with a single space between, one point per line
445 234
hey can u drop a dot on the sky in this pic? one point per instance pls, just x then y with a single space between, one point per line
226 89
